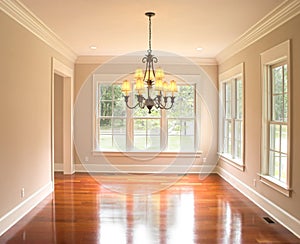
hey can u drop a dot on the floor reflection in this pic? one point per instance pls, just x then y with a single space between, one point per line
191 211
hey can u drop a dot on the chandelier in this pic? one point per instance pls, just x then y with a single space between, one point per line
153 80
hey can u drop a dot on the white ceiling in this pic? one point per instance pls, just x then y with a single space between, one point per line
118 27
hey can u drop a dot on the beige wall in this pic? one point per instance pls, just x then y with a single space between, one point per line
251 57
25 105
58 119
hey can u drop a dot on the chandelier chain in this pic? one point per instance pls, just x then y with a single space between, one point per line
150 34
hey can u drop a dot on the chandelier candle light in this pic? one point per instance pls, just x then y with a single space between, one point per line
153 79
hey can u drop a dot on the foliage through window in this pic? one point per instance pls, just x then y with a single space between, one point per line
121 129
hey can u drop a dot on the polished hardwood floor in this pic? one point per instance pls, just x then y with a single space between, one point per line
142 209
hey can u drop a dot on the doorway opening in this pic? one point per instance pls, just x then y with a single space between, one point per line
62 119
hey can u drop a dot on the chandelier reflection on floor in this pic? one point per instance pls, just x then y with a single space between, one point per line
153 79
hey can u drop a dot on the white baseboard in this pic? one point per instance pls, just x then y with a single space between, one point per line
58 167
280 215
13 216
145 169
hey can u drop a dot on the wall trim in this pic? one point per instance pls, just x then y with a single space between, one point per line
21 14
14 215
280 215
130 59
279 16
149 169
58 167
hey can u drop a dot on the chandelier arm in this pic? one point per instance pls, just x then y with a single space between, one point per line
158 103
152 64
146 60
165 99
132 107
172 102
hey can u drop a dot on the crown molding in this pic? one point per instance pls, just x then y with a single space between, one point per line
93 59
21 14
280 15
203 61
134 59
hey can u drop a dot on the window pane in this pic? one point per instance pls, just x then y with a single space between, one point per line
119 108
238 149
119 126
153 127
153 143
277 108
173 143
105 92
227 137
181 135
105 125
153 134
275 137
284 141
271 162
147 134
277 80
106 108
228 128
285 81
229 146
283 176
276 165
119 142
187 135
106 142
187 127
238 130
117 92
139 126
187 144
228 100
184 103
174 127
285 112
140 142
238 139
239 99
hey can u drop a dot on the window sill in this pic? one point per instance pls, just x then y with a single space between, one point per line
148 154
275 184
237 164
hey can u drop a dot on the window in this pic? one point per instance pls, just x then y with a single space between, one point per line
277 123
276 107
181 121
120 129
111 118
231 114
146 130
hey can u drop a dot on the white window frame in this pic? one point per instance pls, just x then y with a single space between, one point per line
276 55
230 77
129 130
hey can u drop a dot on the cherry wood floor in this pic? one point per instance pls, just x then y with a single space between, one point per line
145 209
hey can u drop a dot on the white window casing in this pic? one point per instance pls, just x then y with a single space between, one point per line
278 56
231 117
